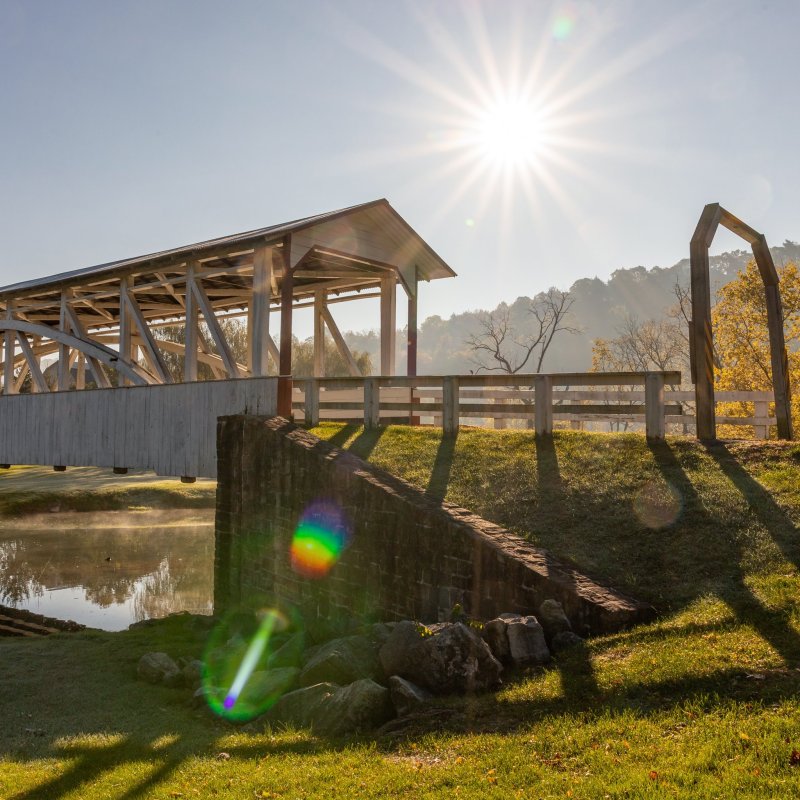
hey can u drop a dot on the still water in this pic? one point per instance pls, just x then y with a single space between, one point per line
108 569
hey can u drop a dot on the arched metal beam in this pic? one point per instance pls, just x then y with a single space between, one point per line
109 357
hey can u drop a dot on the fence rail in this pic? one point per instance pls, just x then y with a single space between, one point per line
446 400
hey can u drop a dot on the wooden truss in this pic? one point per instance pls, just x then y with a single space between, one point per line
103 319
702 338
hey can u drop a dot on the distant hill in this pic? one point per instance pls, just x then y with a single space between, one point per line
598 310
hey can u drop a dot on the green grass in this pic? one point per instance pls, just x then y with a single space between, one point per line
32 490
702 703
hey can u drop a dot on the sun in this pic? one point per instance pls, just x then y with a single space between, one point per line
510 133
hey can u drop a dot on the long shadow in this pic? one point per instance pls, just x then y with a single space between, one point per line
363 445
442 466
342 435
578 680
774 626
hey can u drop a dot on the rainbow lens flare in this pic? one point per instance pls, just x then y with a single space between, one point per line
563 25
237 680
321 536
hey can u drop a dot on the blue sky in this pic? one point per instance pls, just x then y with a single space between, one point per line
130 127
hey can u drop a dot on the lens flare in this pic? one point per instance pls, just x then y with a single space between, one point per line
319 540
657 504
237 681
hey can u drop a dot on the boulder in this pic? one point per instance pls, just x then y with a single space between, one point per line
157 668
496 636
526 642
444 658
192 673
395 653
302 706
407 697
360 706
264 687
290 654
553 619
564 640
342 661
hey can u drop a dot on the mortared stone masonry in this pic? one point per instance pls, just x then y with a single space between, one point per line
409 556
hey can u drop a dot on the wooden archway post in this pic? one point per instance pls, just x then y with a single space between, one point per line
701 336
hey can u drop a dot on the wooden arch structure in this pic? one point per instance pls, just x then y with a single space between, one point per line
104 319
702 339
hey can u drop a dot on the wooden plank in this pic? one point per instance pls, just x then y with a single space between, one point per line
372 403
543 408
341 345
191 328
388 324
311 402
654 407
450 404
153 355
259 310
319 334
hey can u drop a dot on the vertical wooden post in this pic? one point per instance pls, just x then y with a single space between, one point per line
372 403
258 311
80 380
543 405
10 386
654 422
126 349
319 334
780 363
285 365
311 402
761 411
411 352
388 324
190 331
63 349
702 340
450 410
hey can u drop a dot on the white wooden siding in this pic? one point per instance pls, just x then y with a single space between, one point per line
169 429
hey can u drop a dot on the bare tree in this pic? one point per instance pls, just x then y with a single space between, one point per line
498 348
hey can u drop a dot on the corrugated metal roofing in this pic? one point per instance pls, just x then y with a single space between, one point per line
272 231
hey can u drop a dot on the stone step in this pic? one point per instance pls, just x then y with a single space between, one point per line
27 628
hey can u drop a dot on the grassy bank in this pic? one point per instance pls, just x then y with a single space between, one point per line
701 704
32 490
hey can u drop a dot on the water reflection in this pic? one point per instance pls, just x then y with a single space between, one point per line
108 570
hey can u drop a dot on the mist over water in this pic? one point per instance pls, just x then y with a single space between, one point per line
109 569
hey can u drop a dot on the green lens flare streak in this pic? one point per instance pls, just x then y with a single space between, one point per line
251 658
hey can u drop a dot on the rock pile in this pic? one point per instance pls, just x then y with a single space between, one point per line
361 681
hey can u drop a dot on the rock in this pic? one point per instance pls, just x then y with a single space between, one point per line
192 672
301 706
263 688
495 635
553 619
407 697
395 653
362 705
379 632
290 654
451 657
342 661
157 668
526 642
564 640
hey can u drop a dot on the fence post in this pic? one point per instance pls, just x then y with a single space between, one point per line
372 403
543 405
654 422
311 402
761 410
450 404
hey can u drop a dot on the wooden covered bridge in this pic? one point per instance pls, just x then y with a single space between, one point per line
97 328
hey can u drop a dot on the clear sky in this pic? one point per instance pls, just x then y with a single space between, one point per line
530 143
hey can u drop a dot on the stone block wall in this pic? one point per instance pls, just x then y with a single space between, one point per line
409 556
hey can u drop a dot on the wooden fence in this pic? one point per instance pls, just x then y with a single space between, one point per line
637 398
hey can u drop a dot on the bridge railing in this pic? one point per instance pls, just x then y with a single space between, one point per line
448 400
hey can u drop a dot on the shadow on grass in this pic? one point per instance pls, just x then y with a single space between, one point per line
773 625
442 466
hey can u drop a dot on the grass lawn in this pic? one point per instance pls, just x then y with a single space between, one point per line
29 490
701 704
